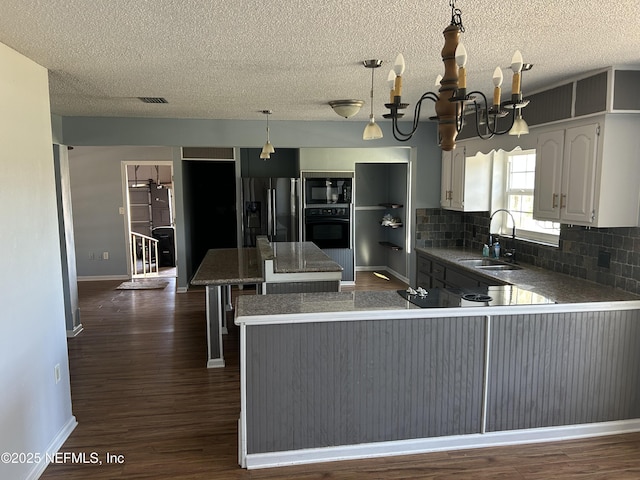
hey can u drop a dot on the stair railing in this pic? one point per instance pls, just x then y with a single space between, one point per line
149 247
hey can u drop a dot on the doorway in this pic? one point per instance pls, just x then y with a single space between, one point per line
150 217
210 198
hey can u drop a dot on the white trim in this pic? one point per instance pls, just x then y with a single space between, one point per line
101 278
486 372
52 449
271 276
75 332
182 289
242 430
215 363
415 312
438 444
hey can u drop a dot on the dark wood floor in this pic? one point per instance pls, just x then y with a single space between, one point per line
140 389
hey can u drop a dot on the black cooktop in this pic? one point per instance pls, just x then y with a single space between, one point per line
503 295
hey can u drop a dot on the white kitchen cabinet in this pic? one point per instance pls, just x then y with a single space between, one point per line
466 181
589 174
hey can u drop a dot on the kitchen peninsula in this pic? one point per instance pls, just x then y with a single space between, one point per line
331 376
281 267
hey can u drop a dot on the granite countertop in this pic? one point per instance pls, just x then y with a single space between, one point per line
325 302
229 266
368 301
556 286
296 257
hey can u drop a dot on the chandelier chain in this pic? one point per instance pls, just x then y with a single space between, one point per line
456 16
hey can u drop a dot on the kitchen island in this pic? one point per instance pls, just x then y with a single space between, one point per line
273 267
331 376
297 267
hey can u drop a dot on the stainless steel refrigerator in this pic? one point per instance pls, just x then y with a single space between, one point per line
271 207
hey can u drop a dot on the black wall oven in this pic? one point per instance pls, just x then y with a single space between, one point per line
328 227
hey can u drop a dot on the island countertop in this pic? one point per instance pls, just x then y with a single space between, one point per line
294 257
229 266
358 305
560 287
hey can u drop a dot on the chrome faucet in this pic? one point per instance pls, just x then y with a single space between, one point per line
511 253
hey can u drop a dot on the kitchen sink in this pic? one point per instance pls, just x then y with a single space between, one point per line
488 264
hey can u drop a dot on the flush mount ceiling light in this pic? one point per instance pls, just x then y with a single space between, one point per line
346 108
372 131
268 149
452 100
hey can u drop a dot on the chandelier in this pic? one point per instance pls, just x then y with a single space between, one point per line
453 102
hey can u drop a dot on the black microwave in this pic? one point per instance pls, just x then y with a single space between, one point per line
323 191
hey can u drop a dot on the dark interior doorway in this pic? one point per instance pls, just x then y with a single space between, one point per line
210 191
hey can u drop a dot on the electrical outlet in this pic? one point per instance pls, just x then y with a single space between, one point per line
56 372
121 210
92 256
105 255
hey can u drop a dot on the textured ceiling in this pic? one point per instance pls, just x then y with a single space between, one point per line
231 59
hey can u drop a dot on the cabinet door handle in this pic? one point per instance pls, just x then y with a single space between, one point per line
554 201
563 200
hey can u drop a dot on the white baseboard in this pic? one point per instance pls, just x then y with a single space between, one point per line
438 444
75 332
216 363
55 445
100 278
182 289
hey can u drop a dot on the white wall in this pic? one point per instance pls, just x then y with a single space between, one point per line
35 412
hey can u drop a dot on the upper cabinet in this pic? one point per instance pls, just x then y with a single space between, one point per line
589 174
466 182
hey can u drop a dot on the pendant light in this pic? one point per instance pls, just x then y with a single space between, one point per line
372 131
268 149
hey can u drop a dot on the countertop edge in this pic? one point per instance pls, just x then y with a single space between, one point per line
413 312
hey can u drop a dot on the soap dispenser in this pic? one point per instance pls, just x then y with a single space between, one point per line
485 250
496 249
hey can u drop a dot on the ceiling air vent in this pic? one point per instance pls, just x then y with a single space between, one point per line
153 100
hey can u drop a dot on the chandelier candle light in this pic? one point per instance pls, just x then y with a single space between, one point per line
452 96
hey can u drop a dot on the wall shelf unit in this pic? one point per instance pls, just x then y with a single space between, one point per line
381 217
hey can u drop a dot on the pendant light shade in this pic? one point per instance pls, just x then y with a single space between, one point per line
373 131
268 149
519 127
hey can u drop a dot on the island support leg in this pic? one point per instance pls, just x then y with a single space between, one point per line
215 315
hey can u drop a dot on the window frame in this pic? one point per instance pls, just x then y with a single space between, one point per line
505 224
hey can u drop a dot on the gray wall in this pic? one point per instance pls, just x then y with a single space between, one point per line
97 183
35 411
97 195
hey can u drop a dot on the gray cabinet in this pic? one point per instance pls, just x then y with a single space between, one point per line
434 273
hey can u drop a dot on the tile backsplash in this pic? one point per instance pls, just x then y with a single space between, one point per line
608 256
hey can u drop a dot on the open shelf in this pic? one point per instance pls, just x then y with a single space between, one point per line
391 246
391 205
391 225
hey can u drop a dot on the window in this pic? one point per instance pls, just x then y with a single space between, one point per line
520 178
